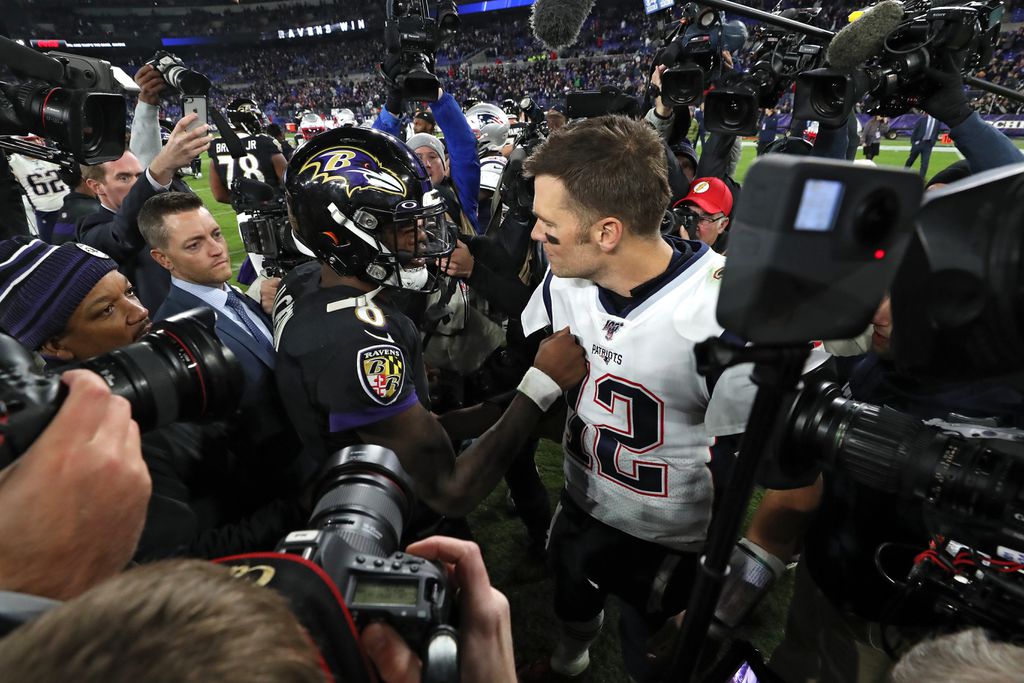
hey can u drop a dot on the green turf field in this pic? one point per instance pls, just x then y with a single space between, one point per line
503 539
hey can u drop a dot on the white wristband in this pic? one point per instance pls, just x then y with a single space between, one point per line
539 388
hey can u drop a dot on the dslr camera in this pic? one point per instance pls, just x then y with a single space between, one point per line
177 371
412 37
266 229
73 101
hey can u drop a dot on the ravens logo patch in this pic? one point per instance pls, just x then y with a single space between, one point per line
381 370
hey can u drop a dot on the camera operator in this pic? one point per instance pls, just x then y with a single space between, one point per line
349 363
628 525
114 228
80 202
460 184
210 494
73 505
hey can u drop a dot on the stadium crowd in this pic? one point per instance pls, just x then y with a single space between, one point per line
431 289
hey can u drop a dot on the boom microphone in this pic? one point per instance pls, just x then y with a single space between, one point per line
865 37
557 23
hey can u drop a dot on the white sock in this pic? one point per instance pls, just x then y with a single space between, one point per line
572 652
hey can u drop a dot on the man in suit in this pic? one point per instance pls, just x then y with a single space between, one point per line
924 137
187 242
114 229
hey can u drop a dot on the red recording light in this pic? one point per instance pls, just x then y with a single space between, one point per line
879 254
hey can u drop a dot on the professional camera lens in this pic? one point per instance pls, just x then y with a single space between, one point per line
731 112
956 477
365 496
178 371
89 125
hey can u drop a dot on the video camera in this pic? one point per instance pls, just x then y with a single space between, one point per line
777 57
67 99
692 51
962 35
412 37
266 229
178 371
816 245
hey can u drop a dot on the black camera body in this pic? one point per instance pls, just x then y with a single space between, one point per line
267 231
71 100
777 56
895 81
814 245
178 371
364 498
412 37
693 53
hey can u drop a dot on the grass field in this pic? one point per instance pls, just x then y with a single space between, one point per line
503 538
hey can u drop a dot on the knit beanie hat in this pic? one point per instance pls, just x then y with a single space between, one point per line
426 140
41 285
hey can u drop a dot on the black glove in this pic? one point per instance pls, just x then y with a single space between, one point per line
948 103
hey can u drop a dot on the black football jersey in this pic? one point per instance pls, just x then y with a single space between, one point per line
257 164
345 359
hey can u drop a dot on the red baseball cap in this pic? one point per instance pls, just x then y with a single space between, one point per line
710 194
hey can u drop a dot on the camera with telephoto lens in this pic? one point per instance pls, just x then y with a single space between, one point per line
776 56
178 76
178 371
692 52
964 34
967 481
75 102
830 239
412 37
364 498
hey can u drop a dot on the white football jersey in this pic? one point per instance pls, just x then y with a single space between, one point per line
640 428
43 187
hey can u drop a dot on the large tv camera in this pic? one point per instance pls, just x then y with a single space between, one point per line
412 37
73 101
692 51
816 245
923 35
966 480
777 57
178 371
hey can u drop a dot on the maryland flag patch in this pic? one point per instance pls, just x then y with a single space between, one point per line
381 370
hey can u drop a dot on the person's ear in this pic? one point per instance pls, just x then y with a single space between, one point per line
608 233
93 185
162 259
723 224
54 348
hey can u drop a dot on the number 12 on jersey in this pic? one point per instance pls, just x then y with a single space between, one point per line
603 445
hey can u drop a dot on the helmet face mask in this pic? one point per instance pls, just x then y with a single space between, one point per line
245 115
362 204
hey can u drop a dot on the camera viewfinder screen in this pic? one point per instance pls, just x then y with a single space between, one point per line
373 591
819 205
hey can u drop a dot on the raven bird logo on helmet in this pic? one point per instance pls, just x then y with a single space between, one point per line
245 115
363 204
490 126
357 169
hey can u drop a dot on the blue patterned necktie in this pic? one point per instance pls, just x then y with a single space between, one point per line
236 304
